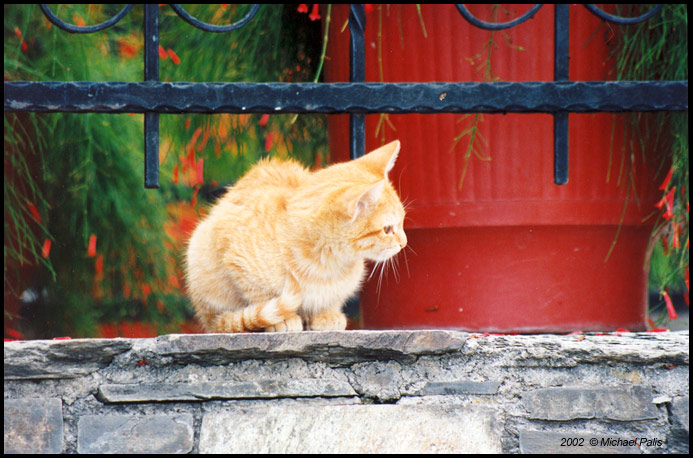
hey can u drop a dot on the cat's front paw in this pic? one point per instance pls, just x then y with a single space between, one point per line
328 321
294 323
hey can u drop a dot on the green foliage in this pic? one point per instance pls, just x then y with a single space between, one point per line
75 179
658 50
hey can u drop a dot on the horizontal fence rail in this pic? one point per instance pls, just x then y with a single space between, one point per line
151 97
500 97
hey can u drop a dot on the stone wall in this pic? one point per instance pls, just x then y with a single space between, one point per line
353 391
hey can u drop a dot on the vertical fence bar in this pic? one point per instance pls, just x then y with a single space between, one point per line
357 73
151 73
561 73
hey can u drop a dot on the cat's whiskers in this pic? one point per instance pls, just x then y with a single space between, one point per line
375 265
395 266
383 264
406 262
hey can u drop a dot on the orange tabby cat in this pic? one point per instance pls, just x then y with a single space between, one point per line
285 248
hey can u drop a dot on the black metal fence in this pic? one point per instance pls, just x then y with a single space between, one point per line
151 97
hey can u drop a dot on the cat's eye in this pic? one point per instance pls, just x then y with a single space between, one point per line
387 229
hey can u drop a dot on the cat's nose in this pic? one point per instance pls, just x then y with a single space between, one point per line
402 241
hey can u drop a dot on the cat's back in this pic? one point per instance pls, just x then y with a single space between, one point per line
262 192
284 174
259 198
241 235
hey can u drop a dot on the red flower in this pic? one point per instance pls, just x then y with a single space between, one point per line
268 142
21 38
264 119
315 14
675 238
34 211
667 200
670 306
14 333
126 49
46 249
368 7
174 57
91 251
175 174
78 20
302 8
146 291
665 183
196 135
162 53
200 166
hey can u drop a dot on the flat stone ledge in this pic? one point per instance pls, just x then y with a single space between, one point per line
332 346
369 391
205 391
42 359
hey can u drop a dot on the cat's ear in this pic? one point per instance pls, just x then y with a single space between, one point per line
382 160
362 203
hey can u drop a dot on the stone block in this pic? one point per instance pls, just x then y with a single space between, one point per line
202 391
621 403
458 387
343 347
33 425
569 442
41 359
135 434
679 412
374 428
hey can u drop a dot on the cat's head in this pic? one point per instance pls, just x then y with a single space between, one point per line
372 207
352 209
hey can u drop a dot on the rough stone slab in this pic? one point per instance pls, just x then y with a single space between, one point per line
375 428
550 350
679 411
135 434
40 359
202 391
78 357
33 425
458 387
549 442
333 346
622 403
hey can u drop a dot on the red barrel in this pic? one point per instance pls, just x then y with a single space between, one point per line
508 250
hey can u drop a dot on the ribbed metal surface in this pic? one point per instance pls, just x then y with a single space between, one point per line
516 186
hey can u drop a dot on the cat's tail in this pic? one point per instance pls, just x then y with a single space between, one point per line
263 315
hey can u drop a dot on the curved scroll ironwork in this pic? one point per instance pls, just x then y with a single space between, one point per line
594 9
85 29
214 28
496 25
